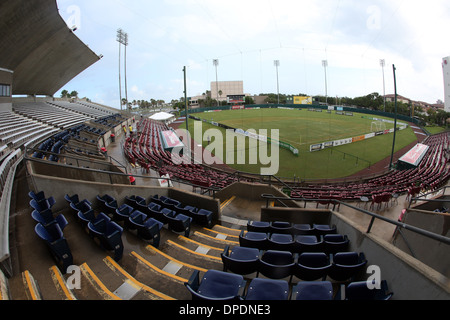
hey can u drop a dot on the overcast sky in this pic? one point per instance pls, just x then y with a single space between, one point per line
246 36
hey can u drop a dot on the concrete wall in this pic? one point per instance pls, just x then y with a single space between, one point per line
407 277
59 187
6 78
297 216
68 172
252 191
196 200
432 252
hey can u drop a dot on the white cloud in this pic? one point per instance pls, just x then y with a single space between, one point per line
247 35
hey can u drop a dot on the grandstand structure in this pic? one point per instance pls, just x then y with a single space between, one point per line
92 212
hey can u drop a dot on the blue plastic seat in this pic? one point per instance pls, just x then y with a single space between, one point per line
276 264
135 219
240 260
258 226
202 217
150 230
313 290
133 200
179 223
308 243
110 208
281 242
267 289
85 217
57 244
43 204
258 240
347 265
312 266
303 229
281 227
334 243
39 196
216 285
83 206
322 229
171 203
44 217
360 290
109 235
72 199
123 213
108 204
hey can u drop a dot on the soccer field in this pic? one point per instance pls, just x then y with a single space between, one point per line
302 128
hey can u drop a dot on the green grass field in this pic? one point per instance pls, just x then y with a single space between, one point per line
301 128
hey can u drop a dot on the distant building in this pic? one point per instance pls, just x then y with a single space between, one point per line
220 90
446 71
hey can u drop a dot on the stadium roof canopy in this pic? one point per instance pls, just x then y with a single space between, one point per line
39 47
162 116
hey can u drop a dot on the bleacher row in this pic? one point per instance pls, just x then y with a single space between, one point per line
60 141
85 108
266 248
107 220
146 151
321 275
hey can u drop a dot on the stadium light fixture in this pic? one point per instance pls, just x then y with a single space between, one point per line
383 63
216 64
122 38
325 65
277 64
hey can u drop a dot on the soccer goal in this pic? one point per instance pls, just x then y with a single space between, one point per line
378 126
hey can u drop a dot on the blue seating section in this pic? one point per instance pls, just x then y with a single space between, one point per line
50 229
315 254
223 286
100 227
157 214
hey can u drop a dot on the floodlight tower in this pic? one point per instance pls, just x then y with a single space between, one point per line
383 63
216 64
277 64
122 38
325 65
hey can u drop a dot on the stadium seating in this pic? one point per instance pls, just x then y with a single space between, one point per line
360 290
346 265
53 236
122 213
108 233
258 240
309 243
241 260
334 243
276 264
313 290
312 266
267 289
281 242
147 229
258 226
